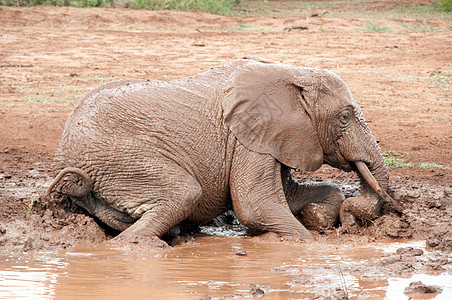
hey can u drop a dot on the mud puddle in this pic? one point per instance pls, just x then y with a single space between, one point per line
225 267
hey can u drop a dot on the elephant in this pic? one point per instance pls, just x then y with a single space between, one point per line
142 156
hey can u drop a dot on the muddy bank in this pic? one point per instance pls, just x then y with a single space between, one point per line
28 223
42 79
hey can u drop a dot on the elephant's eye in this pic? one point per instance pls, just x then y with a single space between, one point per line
345 118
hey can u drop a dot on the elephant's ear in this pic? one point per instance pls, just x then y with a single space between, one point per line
265 109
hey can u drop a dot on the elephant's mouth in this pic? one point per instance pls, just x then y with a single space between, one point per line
337 160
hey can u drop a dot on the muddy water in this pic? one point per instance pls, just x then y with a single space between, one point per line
209 265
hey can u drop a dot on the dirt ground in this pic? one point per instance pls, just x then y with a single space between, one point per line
401 76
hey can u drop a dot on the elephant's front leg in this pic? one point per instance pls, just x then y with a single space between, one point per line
317 204
258 197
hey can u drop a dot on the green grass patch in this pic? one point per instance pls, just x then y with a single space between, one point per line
446 5
370 26
30 205
245 27
7 104
397 162
334 8
443 79
42 100
92 79
436 10
212 6
394 159
319 4
430 165
216 7
421 26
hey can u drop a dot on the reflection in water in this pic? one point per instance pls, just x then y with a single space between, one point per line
207 266
30 277
397 286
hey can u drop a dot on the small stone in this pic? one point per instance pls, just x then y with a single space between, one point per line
434 240
418 287
28 245
340 294
409 251
256 290
241 252
199 44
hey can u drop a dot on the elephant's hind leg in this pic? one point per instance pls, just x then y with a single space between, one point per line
157 221
173 193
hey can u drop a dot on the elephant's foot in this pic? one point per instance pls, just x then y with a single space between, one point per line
358 209
316 204
125 240
275 237
318 216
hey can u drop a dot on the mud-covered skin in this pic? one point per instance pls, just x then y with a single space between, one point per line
317 204
160 152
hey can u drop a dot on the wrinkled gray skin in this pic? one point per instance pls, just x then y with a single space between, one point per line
142 156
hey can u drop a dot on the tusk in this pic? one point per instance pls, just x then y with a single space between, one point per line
370 179
373 183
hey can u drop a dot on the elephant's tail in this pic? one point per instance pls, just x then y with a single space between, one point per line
72 189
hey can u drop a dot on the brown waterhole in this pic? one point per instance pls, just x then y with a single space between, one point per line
210 265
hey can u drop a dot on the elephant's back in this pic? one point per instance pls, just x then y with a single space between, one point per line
182 115
138 107
142 121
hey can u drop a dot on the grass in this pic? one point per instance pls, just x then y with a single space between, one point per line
239 27
43 100
319 4
369 26
430 165
442 79
92 79
222 7
56 96
446 5
433 11
335 8
442 82
397 162
50 98
30 205
394 159
7 104
248 28
421 26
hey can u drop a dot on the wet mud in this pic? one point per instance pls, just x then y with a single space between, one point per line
65 251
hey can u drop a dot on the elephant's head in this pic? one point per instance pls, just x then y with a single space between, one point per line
303 117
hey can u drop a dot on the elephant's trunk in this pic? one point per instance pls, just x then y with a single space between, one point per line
376 187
